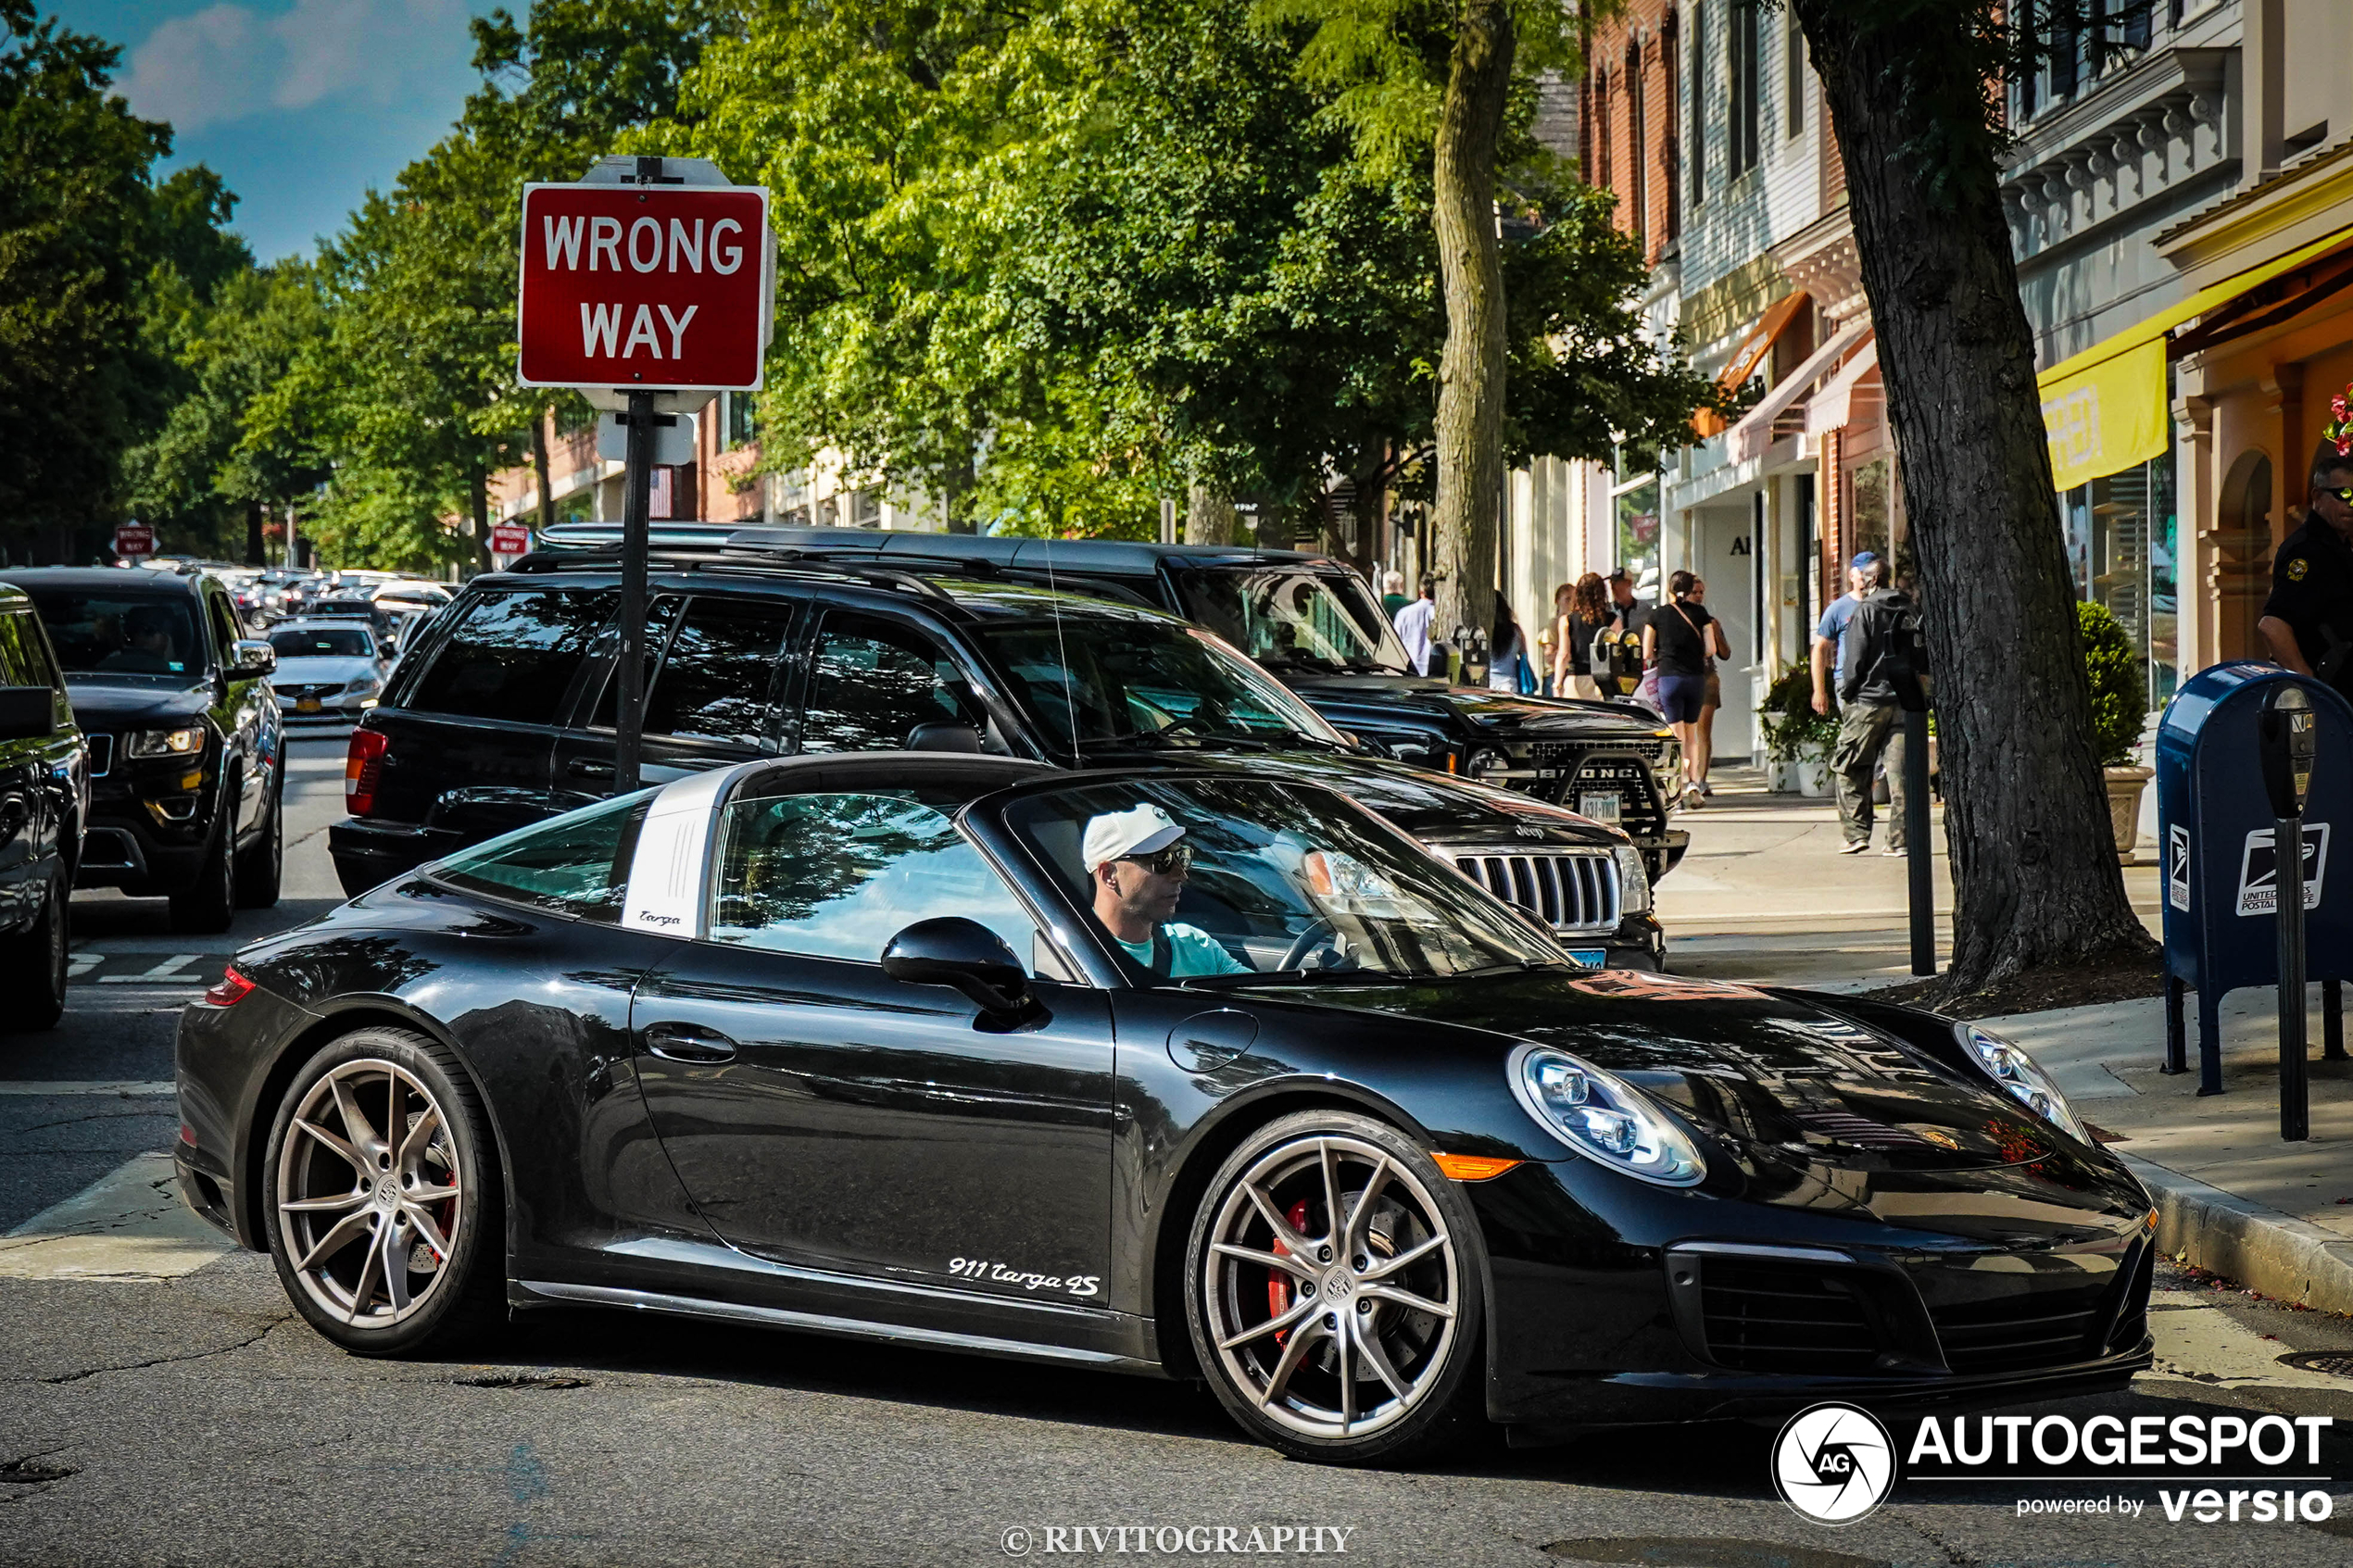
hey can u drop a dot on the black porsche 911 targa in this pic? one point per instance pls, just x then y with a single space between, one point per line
1178 1071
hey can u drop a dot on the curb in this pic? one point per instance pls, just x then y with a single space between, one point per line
2278 1254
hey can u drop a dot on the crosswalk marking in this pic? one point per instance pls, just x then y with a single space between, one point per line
80 964
165 973
126 1087
130 1224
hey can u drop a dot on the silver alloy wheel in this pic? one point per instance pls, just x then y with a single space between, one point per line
368 1193
1330 1287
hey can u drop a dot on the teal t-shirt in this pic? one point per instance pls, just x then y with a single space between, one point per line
1191 951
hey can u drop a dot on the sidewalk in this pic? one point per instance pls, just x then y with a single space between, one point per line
1765 896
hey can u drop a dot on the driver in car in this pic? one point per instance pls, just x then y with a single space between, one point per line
1137 870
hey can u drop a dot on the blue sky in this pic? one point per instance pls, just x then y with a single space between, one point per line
301 104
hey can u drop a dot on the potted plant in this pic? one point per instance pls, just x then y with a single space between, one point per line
2119 702
1797 739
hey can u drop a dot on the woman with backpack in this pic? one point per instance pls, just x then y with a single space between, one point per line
1677 641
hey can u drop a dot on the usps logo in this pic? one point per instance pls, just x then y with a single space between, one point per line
2259 869
1834 1463
2177 866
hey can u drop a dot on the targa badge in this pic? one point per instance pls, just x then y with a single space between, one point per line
1834 1463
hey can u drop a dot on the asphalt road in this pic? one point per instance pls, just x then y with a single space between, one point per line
160 1403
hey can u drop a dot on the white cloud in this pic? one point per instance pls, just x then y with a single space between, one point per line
228 62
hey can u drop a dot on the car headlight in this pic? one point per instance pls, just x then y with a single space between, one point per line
1633 879
2010 1066
364 686
1602 1117
1485 762
162 743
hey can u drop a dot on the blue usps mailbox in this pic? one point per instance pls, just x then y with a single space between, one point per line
2215 827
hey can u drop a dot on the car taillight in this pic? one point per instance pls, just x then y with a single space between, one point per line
362 766
229 990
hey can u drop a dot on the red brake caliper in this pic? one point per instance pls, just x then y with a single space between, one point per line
1278 1285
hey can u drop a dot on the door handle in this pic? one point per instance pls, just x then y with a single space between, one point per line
582 768
688 1042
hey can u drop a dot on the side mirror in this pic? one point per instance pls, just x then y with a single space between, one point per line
250 655
952 950
944 736
27 711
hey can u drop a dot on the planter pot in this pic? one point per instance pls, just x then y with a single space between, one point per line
1780 778
1814 771
2124 786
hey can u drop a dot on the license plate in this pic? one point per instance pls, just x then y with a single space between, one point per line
1602 807
1591 957
310 705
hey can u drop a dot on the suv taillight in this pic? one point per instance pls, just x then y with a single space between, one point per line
362 766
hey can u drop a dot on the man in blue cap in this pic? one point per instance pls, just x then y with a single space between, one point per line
1865 572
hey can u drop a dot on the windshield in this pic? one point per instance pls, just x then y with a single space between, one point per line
1264 879
337 642
121 633
1131 681
1294 617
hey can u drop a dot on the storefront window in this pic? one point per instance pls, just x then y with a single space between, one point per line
1879 519
2120 534
1637 507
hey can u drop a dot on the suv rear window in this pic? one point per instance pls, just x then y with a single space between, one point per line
512 657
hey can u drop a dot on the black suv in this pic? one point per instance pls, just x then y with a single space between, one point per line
185 741
503 713
1316 625
44 798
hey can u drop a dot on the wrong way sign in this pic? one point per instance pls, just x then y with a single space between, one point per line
661 285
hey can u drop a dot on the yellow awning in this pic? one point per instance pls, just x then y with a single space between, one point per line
2103 409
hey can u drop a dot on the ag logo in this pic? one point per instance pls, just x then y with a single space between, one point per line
1834 1463
2297 568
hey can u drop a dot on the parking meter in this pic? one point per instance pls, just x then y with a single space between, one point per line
2288 736
1474 647
1908 672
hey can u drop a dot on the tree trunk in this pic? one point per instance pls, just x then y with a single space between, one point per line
479 485
1470 269
256 548
539 471
1210 517
1372 508
2036 884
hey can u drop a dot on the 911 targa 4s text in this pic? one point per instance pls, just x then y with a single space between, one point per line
1173 1071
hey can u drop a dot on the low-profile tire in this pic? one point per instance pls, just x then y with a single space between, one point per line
381 1197
32 962
211 903
1353 1341
261 869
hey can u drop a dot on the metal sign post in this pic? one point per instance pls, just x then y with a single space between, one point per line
1911 694
2290 738
648 286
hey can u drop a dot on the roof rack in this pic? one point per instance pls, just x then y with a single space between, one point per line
583 557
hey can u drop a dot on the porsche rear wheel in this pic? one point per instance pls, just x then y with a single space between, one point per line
384 1210
1334 1292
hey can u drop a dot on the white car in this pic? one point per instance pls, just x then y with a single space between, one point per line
329 670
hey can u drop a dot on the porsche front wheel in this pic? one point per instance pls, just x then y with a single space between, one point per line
1333 1292
384 1201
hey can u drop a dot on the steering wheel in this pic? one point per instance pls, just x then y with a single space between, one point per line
1295 956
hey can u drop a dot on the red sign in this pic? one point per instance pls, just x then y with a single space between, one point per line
658 286
134 539
510 539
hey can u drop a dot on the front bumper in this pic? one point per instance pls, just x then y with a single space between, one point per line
138 847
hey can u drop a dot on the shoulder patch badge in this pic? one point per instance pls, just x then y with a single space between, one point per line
2297 568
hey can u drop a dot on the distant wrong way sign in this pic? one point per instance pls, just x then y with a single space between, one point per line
662 281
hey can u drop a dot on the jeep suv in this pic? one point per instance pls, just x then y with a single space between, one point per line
185 741
503 713
1314 624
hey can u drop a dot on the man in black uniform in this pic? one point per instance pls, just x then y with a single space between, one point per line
2307 622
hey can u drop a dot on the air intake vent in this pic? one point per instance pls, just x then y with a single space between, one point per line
2021 1331
1785 1318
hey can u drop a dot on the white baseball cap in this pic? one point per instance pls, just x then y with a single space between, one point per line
1137 831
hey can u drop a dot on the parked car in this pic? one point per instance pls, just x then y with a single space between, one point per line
185 744
503 713
844 1045
328 671
44 800
1318 628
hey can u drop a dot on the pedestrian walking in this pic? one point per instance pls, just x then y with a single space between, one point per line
1870 720
1413 625
1509 666
1711 698
1392 598
2307 622
1677 640
1863 573
1581 613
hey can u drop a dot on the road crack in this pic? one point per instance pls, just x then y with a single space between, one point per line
1952 1553
275 1324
